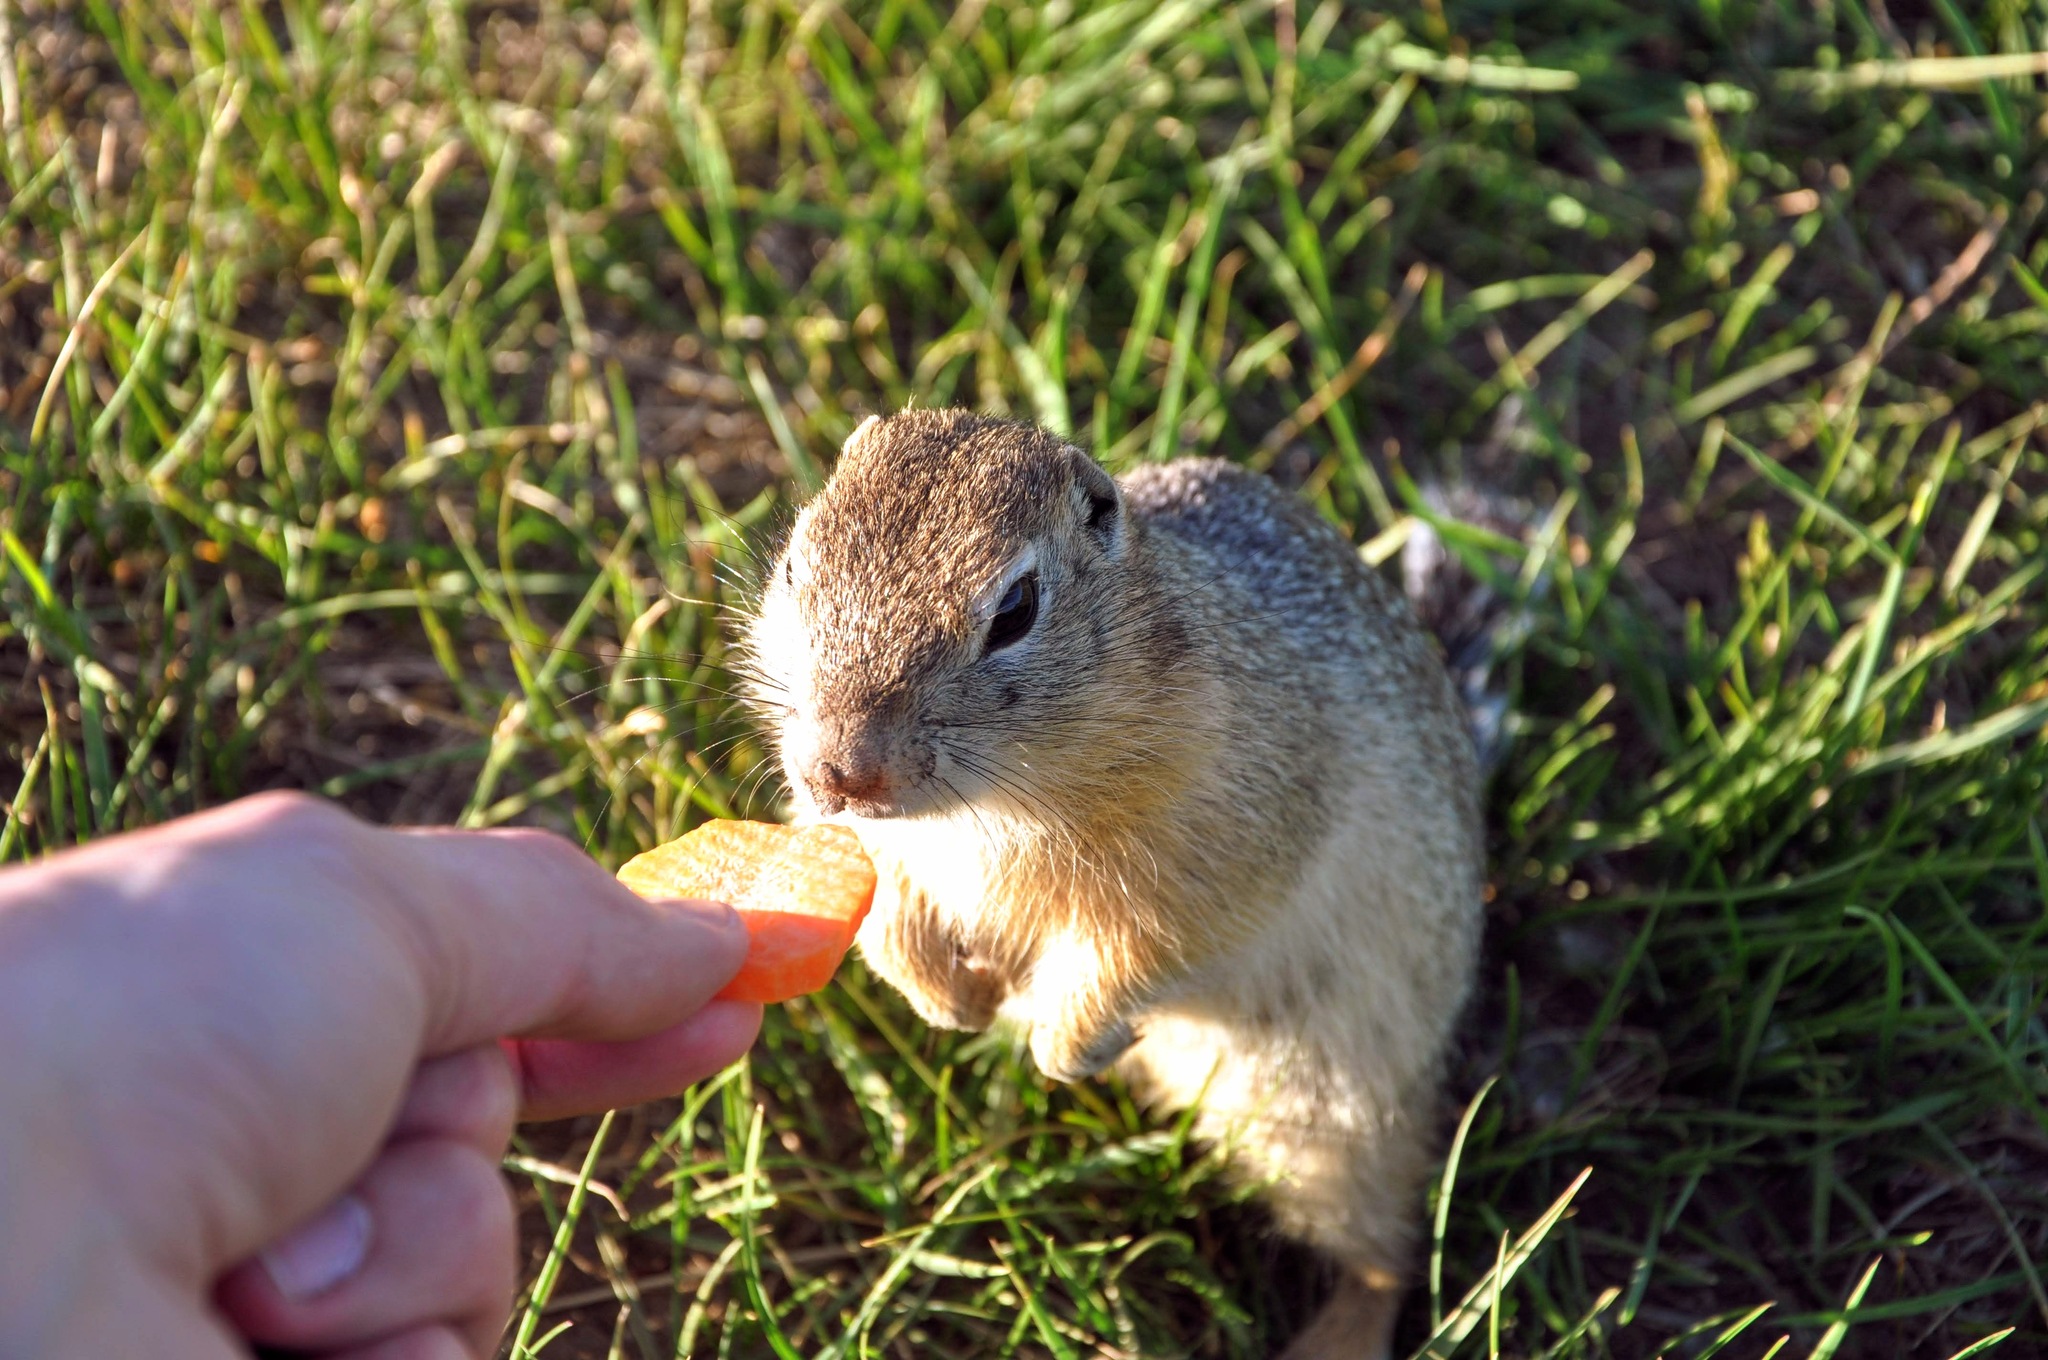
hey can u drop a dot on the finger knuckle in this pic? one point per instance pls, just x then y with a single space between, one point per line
559 862
428 1343
499 1089
478 1207
289 811
545 847
472 1208
494 1264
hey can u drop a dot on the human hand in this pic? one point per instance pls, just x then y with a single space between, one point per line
252 1083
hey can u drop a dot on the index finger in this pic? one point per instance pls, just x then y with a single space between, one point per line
520 933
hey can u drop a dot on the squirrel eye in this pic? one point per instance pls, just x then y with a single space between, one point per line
1015 613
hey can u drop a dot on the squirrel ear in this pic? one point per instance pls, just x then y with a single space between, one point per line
1100 502
860 432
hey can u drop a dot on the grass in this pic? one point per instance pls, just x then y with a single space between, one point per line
391 395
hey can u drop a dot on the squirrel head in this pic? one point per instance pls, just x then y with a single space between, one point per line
935 630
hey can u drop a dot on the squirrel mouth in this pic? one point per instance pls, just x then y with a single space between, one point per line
902 803
869 810
841 809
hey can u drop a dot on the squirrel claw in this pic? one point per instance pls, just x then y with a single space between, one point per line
1070 1063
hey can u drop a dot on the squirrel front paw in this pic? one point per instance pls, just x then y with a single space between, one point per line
1069 1055
959 995
969 996
916 953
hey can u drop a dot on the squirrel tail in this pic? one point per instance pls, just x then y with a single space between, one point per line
1465 591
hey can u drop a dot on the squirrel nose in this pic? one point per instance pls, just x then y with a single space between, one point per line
846 776
841 757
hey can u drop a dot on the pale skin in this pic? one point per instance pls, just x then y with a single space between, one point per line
258 1067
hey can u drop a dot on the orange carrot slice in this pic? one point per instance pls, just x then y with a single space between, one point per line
802 891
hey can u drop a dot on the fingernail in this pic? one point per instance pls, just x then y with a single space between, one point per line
319 1255
711 912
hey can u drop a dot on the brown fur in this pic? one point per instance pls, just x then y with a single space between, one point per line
1215 814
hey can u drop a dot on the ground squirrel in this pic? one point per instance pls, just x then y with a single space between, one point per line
1159 769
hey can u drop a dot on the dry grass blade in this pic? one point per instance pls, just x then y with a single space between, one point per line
1369 352
1483 1299
83 319
1926 73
